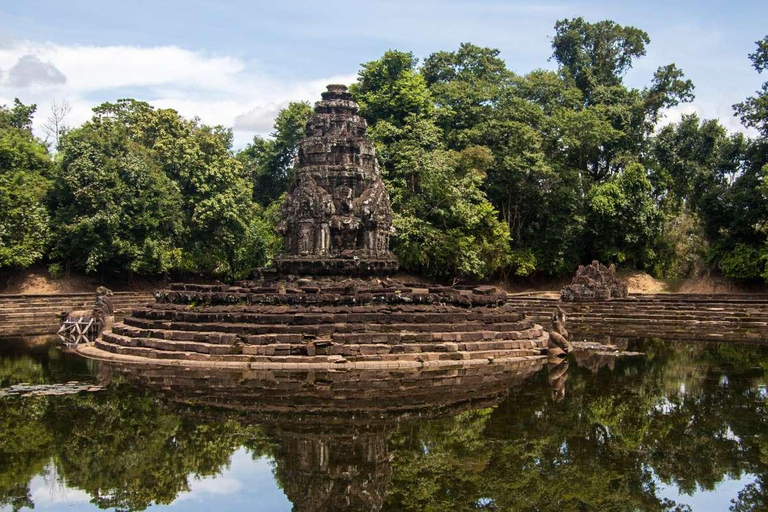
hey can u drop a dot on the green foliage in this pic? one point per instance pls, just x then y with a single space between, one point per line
24 169
19 117
391 90
147 191
114 207
597 54
445 224
683 248
754 110
270 161
552 137
743 262
489 173
623 218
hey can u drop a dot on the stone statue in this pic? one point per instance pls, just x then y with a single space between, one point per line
558 344
82 325
594 282
336 218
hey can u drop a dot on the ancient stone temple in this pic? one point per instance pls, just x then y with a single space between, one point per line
329 300
336 218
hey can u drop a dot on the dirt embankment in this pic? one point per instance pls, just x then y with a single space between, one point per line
640 282
38 281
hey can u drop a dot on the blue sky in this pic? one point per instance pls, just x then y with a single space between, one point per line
237 63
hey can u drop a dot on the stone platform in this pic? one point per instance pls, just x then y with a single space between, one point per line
692 317
310 323
336 222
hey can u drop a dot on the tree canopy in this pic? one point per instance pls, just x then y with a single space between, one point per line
490 173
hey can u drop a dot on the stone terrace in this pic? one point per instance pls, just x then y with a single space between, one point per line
312 321
736 317
29 315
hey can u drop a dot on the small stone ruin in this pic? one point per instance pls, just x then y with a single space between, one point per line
83 325
594 282
329 300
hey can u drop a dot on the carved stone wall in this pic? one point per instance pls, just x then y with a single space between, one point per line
336 218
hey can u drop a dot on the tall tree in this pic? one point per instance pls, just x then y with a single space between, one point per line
24 182
596 56
148 191
446 225
754 110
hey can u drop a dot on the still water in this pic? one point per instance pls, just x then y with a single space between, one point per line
683 428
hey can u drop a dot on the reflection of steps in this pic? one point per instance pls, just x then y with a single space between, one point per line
319 399
715 317
38 314
323 322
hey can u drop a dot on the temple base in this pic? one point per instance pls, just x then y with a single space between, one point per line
336 266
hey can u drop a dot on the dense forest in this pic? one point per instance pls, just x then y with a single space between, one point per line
491 173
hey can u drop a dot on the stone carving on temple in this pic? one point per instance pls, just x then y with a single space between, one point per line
336 218
594 282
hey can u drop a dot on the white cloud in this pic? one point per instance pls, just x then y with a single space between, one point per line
259 118
29 70
218 89
46 492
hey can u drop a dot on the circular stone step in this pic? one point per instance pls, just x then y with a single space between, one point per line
324 321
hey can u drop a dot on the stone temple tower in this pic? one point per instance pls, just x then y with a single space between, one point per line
336 218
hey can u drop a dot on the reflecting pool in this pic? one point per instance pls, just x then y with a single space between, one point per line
684 427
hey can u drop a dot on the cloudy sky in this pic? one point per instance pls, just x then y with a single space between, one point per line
237 63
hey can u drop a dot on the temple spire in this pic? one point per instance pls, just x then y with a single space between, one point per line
336 218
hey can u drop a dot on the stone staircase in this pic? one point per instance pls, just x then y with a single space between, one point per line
31 315
734 317
325 325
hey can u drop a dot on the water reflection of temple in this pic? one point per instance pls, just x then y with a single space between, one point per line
331 429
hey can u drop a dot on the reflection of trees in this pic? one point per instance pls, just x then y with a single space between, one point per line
38 364
25 449
121 447
23 369
689 414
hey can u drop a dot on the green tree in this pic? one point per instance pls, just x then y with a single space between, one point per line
446 226
597 54
270 161
148 191
619 120
391 89
624 220
25 167
114 207
754 110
